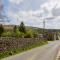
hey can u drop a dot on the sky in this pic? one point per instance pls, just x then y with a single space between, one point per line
33 12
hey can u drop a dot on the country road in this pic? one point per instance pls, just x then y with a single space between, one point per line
46 52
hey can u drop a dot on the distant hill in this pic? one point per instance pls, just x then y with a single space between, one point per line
41 30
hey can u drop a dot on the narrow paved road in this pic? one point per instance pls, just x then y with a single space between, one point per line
47 52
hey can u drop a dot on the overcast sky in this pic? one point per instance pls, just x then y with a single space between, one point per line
32 12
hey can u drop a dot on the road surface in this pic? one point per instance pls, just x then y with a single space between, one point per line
46 52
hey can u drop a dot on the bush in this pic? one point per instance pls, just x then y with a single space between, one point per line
13 34
7 34
11 53
19 34
29 34
35 35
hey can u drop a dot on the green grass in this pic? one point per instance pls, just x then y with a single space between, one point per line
19 50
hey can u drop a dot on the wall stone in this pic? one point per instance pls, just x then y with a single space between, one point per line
9 43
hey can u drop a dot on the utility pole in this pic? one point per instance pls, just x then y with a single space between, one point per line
43 28
44 24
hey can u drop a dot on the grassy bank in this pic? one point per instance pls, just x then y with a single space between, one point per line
19 50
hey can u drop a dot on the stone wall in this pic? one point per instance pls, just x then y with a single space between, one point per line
7 43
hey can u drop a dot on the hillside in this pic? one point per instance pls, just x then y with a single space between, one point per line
41 30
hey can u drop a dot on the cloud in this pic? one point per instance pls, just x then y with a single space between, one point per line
16 1
29 17
50 8
12 15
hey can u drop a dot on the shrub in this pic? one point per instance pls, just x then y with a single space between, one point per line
7 34
35 35
11 53
19 34
29 34
13 34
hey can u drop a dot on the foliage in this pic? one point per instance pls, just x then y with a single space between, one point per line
35 35
7 34
29 34
15 28
1 29
19 34
13 34
22 28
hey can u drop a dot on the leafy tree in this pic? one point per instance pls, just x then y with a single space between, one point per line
22 28
1 29
15 28
29 34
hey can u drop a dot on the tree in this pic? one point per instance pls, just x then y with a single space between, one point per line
22 28
1 29
15 28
